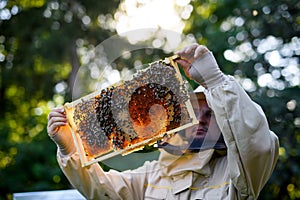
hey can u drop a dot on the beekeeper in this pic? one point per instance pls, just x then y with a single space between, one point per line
230 154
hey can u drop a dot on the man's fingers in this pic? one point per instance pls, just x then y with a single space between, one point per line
55 112
200 51
187 53
56 118
53 127
185 65
53 120
190 49
192 52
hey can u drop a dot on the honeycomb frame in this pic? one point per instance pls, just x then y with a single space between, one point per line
109 121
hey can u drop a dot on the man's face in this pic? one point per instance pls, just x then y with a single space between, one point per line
203 114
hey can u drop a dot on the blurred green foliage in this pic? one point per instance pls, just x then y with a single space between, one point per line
39 42
38 51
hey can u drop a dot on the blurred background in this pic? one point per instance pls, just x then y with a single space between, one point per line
43 44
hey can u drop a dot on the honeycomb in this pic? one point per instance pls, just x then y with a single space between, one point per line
127 116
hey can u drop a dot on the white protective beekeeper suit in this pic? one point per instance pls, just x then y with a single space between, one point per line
241 173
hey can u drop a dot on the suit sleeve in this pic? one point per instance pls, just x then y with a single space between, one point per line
93 183
252 147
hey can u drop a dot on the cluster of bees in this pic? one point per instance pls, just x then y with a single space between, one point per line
120 115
